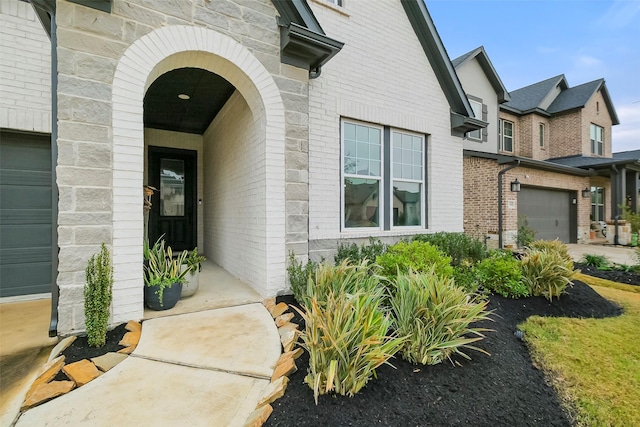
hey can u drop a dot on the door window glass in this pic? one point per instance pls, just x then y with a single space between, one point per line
171 187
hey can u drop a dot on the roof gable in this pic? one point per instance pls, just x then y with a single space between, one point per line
481 56
533 96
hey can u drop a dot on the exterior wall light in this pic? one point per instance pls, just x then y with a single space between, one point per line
515 186
586 193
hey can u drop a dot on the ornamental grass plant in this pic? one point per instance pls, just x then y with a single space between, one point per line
547 272
436 316
347 338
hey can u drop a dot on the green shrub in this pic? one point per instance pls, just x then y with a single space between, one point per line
597 261
344 279
347 339
436 316
299 276
553 245
526 235
357 254
97 296
417 256
501 274
546 272
459 246
632 218
466 277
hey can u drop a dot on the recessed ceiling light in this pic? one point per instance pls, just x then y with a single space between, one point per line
184 96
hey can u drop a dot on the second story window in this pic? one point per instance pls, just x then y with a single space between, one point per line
597 138
542 134
477 112
336 2
505 135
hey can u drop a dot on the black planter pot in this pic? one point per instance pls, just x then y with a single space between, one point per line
170 297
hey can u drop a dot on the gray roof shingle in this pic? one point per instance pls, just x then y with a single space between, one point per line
575 97
530 97
585 161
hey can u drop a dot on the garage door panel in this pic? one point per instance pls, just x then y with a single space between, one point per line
548 212
25 214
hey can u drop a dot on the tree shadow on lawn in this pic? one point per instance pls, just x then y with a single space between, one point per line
504 389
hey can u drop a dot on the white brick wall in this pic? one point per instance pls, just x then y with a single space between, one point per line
381 76
235 196
25 69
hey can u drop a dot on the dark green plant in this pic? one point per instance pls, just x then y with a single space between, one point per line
459 246
501 274
97 296
416 256
193 261
545 272
357 253
526 234
436 316
597 261
299 276
466 277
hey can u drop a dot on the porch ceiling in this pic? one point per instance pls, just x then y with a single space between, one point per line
163 109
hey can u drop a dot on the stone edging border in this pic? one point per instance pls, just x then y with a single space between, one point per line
81 372
285 366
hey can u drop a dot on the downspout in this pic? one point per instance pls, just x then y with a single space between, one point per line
500 174
314 74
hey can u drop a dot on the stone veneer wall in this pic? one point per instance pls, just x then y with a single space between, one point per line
481 197
106 62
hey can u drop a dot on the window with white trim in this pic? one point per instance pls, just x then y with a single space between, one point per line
541 129
383 177
407 157
477 112
597 204
597 138
362 174
505 135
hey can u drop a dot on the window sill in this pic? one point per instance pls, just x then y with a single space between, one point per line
335 8
361 233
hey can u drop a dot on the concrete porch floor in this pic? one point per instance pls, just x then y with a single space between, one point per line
25 344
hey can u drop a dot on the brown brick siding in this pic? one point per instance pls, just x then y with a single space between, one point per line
481 196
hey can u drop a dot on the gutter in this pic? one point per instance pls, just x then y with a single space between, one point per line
500 174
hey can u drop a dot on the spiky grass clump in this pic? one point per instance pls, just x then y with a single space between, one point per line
553 245
546 272
347 339
346 278
436 316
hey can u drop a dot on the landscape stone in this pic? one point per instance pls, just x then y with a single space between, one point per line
108 361
45 392
259 416
274 391
127 350
81 372
283 319
130 339
284 329
278 309
293 354
269 303
288 338
61 346
133 326
285 367
48 371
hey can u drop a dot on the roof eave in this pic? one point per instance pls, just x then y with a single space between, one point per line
535 164
607 99
304 48
460 124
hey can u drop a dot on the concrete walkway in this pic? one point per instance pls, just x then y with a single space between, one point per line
208 368
617 254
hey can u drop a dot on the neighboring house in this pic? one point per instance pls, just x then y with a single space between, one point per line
553 143
268 127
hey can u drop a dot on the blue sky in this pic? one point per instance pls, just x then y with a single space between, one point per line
532 40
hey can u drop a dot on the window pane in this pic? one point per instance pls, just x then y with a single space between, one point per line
361 202
374 152
407 201
374 167
406 157
362 133
417 144
374 136
417 158
349 131
362 167
171 187
417 172
363 150
349 148
406 171
397 170
349 165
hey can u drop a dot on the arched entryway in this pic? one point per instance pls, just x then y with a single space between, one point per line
242 158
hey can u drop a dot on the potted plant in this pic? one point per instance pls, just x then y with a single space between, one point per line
192 279
163 277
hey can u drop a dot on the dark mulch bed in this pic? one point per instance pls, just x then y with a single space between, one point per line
504 389
80 349
626 277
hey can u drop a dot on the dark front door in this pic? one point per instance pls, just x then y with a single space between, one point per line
173 211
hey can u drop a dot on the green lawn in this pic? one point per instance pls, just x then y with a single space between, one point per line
594 363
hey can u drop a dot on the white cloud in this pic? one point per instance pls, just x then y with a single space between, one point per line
626 135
